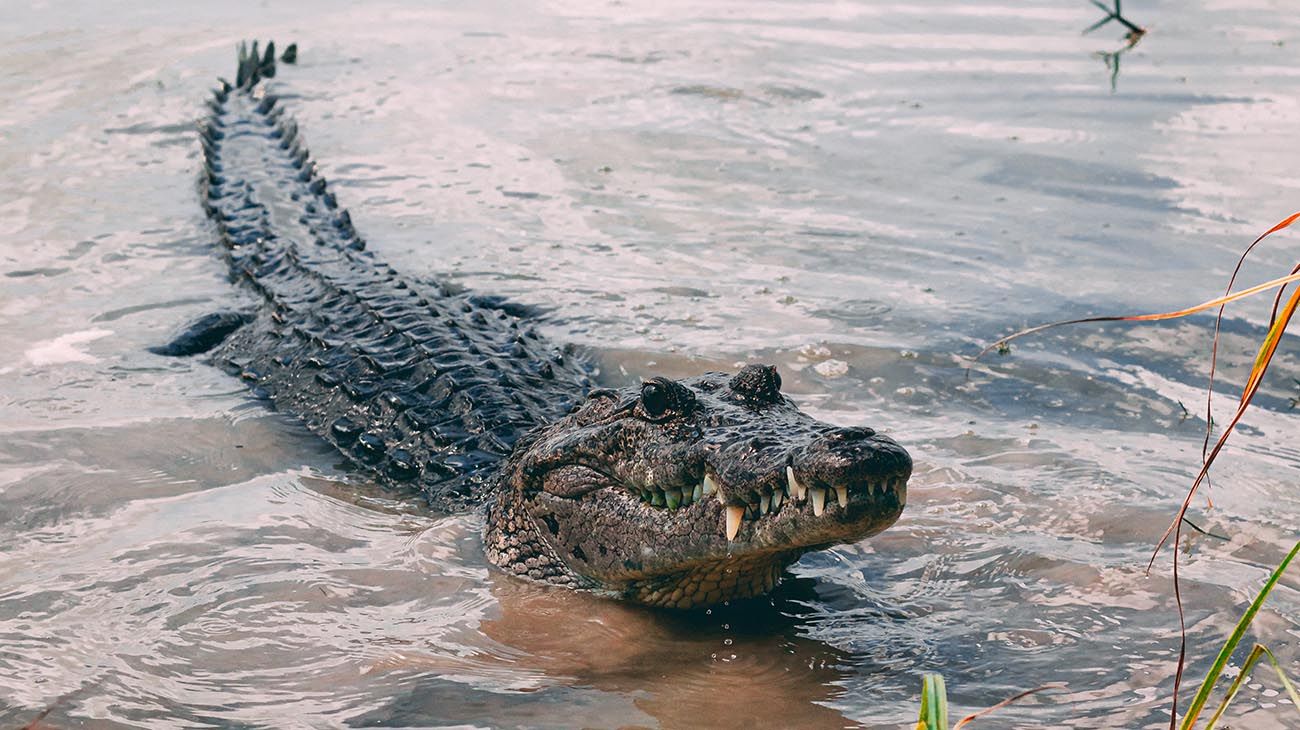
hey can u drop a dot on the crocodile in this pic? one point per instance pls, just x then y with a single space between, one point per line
669 493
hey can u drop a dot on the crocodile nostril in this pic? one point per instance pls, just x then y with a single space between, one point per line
855 433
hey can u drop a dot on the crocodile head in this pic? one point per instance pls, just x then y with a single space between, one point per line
689 493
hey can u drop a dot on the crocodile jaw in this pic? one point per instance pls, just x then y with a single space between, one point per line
705 496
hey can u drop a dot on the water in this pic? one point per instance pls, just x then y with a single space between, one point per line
860 193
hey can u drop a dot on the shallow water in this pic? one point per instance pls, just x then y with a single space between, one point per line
860 193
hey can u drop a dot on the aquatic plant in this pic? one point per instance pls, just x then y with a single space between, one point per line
934 704
1279 319
934 693
1133 34
1116 13
1225 653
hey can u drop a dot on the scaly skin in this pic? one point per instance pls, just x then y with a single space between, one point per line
677 494
630 494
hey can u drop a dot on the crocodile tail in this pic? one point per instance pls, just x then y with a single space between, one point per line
419 384
255 66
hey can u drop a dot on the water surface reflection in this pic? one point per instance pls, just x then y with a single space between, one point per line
861 193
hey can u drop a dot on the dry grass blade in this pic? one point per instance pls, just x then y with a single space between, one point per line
1261 364
1218 326
1219 302
1275 283
1279 320
1262 361
1274 335
975 716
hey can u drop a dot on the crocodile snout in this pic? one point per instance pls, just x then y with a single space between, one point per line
851 455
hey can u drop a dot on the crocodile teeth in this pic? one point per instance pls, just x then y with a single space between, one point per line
698 494
794 488
708 486
673 497
776 500
657 498
735 515
763 504
818 500
842 493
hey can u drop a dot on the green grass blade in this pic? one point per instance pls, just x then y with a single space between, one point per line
1248 665
1216 670
1255 654
934 704
1286 683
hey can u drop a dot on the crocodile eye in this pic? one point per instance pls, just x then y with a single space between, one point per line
662 398
654 399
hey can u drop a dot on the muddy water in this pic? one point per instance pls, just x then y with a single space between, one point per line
860 193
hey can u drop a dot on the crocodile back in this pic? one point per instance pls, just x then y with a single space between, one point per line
419 384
